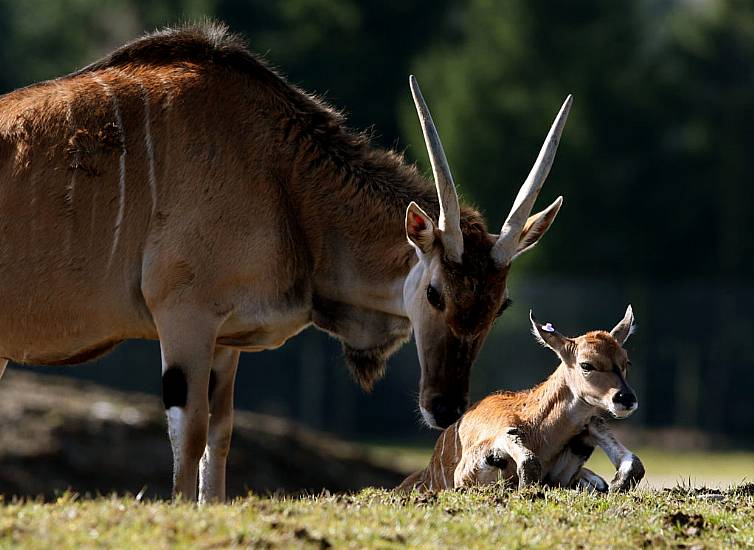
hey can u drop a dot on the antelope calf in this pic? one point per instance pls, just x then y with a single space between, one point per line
546 433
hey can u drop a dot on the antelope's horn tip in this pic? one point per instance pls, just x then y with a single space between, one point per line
567 103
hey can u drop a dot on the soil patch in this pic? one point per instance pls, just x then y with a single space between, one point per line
58 434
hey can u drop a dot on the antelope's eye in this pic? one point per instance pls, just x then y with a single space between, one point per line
586 367
434 298
505 305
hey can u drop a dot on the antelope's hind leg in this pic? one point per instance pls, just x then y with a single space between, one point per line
473 468
587 480
528 466
220 392
630 469
569 471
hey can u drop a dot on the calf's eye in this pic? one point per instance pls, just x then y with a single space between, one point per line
586 367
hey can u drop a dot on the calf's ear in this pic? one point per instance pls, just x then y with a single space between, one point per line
551 338
625 328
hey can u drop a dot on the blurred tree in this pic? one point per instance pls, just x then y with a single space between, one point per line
654 166
652 162
58 37
356 53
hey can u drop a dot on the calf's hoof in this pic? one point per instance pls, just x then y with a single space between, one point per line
587 480
628 476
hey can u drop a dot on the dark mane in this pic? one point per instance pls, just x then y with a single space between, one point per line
208 43
328 139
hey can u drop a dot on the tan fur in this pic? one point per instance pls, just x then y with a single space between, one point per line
516 434
180 189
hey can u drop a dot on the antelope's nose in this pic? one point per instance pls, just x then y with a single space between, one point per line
625 398
447 410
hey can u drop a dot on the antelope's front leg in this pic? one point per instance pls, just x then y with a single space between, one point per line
187 342
630 470
213 464
528 467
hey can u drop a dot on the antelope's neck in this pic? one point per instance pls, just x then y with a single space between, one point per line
555 412
353 221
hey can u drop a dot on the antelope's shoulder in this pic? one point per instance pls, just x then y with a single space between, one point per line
495 412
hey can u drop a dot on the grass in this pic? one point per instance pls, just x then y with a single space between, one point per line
492 517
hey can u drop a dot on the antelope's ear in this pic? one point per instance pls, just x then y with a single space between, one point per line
549 337
420 229
625 328
536 226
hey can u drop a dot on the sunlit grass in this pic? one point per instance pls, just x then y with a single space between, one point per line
493 517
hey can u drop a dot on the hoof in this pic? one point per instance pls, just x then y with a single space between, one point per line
628 475
589 481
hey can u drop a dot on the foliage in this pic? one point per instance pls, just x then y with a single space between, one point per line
40 39
492 517
653 160
654 165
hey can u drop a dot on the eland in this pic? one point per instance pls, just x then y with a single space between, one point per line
181 190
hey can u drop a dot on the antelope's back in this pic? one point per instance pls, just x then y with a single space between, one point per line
105 170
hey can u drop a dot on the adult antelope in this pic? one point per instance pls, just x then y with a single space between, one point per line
546 433
181 190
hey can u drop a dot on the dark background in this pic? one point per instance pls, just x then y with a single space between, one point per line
655 167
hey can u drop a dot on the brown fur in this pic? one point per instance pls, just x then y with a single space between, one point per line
181 189
544 421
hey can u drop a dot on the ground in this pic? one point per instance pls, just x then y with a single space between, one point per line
56 434
493 517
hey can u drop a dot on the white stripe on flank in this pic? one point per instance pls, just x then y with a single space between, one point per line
148 145
70 189
456 442
150 148
121 165
442 459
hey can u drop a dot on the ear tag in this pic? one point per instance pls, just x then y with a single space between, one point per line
548 327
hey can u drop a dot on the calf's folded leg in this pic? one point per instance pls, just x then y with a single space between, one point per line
528 466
